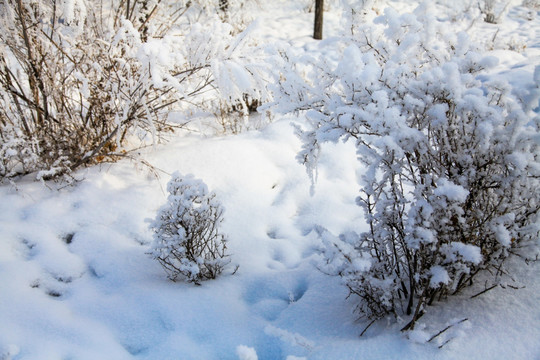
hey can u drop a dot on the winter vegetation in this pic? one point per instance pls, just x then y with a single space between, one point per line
155 202
187 240
450 186
84 83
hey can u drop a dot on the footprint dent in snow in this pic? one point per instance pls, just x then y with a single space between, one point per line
269 297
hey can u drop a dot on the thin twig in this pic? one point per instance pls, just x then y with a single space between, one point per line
516 287
367 327
446 328
484 291
446 342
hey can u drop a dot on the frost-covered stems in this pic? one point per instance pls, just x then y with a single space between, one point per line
71 87
493 10
82 83
187 238
451 183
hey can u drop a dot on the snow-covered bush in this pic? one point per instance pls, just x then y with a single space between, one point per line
80 81
69 89
451 182
187 237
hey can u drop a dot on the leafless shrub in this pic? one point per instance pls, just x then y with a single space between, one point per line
78 84
72 88
187 238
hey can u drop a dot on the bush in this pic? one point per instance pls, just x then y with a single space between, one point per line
451 183
83 83
187 238
71 87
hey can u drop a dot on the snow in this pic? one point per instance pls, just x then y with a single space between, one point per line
451 191
467 252
438 276
78 281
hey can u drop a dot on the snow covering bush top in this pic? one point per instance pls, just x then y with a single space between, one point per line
450 186
187 238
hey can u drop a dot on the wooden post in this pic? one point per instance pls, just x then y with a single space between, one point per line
318 28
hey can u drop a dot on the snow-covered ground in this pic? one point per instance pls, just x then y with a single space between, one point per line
76 281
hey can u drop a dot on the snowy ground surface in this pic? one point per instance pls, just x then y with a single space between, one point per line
76 281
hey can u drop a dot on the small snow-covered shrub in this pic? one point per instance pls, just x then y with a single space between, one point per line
187 237
451 184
